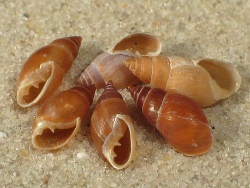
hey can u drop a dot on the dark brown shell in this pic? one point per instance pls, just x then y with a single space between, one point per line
179 119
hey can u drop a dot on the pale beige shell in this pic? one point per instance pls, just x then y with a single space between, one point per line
206 81
43 71
59 118
112 129
138 44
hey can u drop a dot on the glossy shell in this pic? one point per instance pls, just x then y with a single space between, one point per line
179 119
43 72
206 81
138 44
112 129
107 67
59 118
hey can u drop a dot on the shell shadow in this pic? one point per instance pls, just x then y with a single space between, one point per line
88 51
184 49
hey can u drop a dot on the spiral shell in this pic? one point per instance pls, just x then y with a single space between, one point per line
179 119
109 65
59 118
43 72
206 81
112 129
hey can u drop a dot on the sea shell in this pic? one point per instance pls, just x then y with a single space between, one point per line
112 129
109 65
59 118
206 81
43 72
179 119
138 44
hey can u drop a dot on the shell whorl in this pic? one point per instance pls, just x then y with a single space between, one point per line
139 93
86 91
142 96
71 44
107 67
110 92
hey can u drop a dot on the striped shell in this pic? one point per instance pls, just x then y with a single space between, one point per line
107 67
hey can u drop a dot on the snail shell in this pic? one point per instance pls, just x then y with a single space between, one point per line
43 72
109 65
138 44
112 129
206 81
59 118
179 119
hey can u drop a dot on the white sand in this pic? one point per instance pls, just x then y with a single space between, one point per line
213 29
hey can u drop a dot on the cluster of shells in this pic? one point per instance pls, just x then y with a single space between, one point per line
169 91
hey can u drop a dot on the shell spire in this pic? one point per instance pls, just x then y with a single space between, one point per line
44 70
112 129
206 81
59 118
179 119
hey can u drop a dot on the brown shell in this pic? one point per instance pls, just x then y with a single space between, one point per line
138 44
112 129
206 81
59 118
43 72
179 119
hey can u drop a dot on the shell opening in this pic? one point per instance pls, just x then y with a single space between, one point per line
33 87
138 44
33 93
123 150
119 146
49 138
49 135
224 74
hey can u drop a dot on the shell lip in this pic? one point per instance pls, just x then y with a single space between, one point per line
24 86
109 153
53 143
224 81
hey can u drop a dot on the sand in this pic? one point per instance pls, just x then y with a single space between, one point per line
211 29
